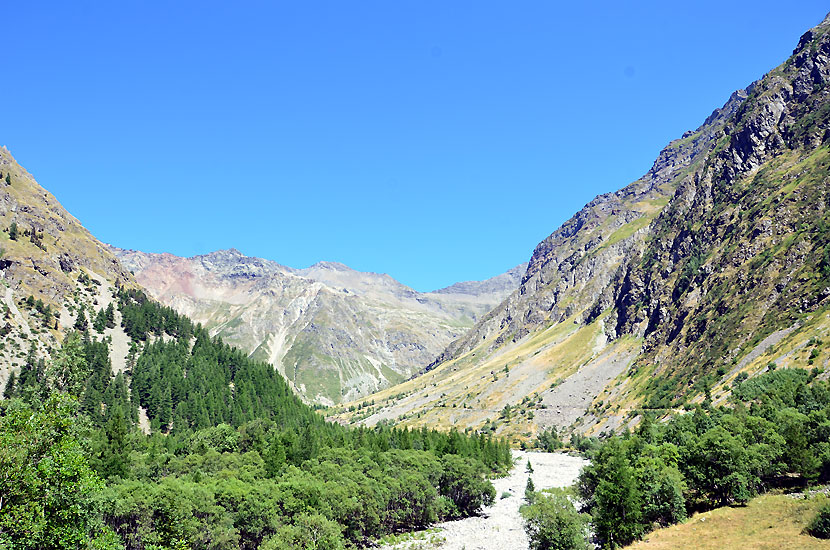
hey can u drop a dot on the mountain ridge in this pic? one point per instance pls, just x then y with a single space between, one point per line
331 330
715 263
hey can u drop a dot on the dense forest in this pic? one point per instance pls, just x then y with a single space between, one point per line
233 459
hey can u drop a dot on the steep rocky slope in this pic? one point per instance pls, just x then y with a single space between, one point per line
717 261
333 332
49 256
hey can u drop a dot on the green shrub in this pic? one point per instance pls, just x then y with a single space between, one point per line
820 526
552 523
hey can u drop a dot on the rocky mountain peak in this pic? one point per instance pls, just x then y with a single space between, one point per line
334 332
332 266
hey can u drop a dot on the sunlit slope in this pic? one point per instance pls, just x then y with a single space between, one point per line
717 262
335 333
52 258
769 522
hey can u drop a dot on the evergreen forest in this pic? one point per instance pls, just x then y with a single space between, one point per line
233 459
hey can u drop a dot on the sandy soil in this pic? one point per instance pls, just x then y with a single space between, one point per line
500 526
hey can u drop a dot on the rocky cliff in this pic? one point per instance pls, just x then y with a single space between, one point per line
333 332
715 262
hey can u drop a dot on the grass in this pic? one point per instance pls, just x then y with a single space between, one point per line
429 538
768 522
626 231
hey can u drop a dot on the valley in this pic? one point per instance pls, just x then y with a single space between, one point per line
657 375
500 525
631 306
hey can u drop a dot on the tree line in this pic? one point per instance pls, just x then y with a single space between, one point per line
234 459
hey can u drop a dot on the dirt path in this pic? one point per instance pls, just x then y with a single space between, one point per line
500 526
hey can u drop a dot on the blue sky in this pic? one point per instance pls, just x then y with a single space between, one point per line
434 141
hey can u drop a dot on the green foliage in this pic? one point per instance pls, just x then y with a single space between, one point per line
548 440
307 532
49 491
112 456
617 511
552 523
69 369
14 232
81 324
777 434
236 461
530 491
463 482
8 392
820 526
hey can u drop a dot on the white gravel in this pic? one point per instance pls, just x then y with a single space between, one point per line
500 526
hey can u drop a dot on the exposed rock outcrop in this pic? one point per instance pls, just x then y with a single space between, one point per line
333 332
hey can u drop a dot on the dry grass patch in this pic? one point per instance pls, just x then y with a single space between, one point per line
770 522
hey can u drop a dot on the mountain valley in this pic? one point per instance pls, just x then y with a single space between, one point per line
668 342
333 332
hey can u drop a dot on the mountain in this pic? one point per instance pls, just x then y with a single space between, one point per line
714 264
45 254
333 332
116 410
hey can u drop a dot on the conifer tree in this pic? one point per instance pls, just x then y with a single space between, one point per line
109 316
114 454
81 323
100 322
530 490
8 393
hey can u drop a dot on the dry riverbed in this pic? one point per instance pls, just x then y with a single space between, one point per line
500 526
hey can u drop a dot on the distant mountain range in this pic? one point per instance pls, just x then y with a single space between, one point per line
335 333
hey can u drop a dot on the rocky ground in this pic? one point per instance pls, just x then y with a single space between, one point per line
500 526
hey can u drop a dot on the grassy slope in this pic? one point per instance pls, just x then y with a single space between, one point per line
473 389
770 522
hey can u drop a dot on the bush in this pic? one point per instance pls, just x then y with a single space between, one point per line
552 523
463 482
820 526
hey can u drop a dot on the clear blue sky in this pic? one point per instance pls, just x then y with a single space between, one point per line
434 141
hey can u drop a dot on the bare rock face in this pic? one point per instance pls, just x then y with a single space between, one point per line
572 269
333 332
658 294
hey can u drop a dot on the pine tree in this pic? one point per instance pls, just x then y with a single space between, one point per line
81 323
100 322
13 231
114 455
530 490
274 457
8 393
109 315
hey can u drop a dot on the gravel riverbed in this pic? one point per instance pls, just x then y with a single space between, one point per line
500 526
